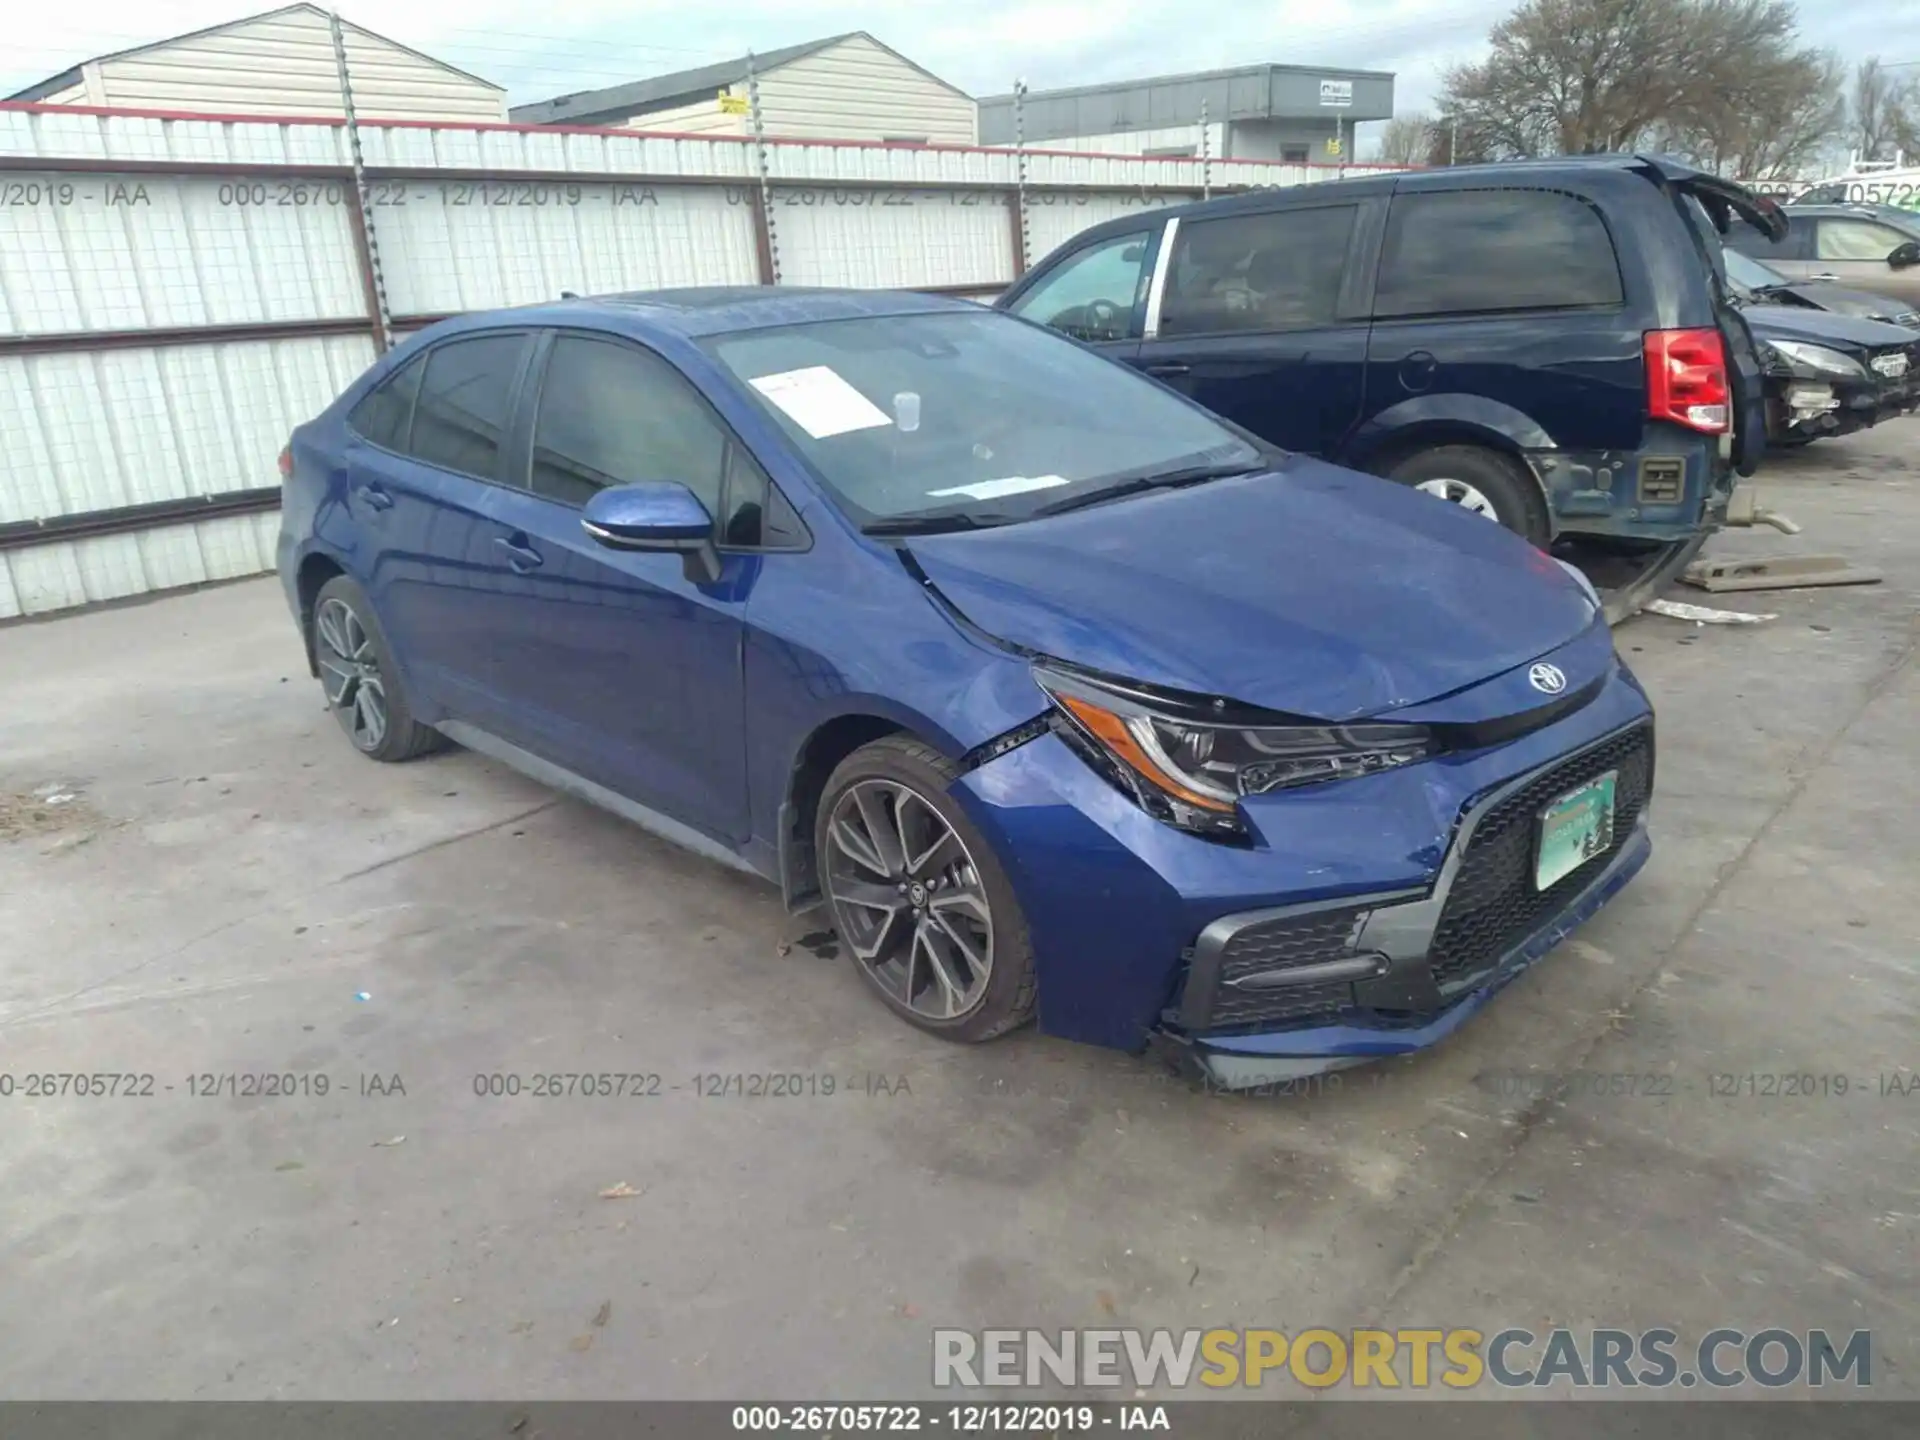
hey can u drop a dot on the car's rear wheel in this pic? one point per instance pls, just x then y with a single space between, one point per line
918 897
1482 481
357 675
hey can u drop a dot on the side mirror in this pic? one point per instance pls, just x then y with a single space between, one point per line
1133 254
655 515
1905 255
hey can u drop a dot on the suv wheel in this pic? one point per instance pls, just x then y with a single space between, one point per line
1483 481
917 896
358 677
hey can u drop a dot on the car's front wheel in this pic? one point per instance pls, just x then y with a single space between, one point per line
357 674
919 898
1482 481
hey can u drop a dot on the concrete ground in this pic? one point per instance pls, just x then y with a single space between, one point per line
233 890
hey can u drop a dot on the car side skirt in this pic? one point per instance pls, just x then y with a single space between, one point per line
559 778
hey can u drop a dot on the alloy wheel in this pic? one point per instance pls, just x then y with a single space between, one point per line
350 674
908 899
1459 492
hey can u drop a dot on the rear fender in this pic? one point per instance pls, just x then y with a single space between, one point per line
1445 419
1424 421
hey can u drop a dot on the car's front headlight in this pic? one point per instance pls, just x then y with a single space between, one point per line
1189 762
1819 360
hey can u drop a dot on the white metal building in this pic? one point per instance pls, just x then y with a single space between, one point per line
279 63
845 87
1296 114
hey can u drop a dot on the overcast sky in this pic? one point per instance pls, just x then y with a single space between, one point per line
539 50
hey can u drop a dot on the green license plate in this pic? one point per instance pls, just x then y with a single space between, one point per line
1574 829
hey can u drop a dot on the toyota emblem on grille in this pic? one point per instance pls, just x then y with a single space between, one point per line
1550 679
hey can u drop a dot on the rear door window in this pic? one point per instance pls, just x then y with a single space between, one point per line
1091 295
385 413
1275 271
1478 251
465 401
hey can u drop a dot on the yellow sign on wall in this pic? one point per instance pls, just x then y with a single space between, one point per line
732 104
1333 146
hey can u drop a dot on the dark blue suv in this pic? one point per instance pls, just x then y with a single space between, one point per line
1549 343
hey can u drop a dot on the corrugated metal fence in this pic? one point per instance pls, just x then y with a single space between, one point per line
177 292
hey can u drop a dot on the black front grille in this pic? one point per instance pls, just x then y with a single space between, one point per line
1493 904
1267 1007
1290 941
1284 944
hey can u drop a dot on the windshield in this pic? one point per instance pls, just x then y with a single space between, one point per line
977 417
1746 271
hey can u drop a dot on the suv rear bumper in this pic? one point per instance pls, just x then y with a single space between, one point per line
1661 493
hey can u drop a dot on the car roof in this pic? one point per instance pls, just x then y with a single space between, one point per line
700 311
1362 186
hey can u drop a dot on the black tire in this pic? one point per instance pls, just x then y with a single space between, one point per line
400 736
1514 494
1007 995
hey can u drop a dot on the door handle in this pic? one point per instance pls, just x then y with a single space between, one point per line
521 556
373 497
1170 367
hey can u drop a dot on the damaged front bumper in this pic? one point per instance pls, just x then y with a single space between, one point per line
1278 994
1365 919
1396 946
1804 406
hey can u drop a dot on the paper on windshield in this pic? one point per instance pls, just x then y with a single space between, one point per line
994 489
820 401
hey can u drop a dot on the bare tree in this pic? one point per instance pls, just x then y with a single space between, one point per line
1773 118
1406 140
1899 116
1722 79
1874 104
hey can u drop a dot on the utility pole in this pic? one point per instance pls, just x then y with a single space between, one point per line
1022 232
373 280
763 162
1206 155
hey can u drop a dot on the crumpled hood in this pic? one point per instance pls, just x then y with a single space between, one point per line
1823 327
1840 300
1308 589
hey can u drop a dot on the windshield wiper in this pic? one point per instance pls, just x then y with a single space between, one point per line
1161 480
934 524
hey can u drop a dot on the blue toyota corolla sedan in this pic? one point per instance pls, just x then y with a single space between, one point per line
1067 699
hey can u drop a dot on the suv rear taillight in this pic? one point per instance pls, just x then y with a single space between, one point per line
1687 379
286 462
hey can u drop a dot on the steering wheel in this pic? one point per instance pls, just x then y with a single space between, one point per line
1103 317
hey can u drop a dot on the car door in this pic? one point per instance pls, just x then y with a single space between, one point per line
1855 251
1097 293
1504 305
617 664
1254 317
425 459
